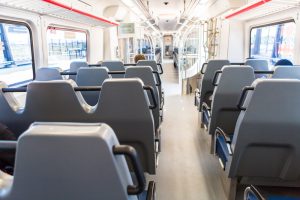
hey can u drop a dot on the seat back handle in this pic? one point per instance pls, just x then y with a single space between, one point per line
202 68
161 70
132 155
243 97
158 79
215 79
151 90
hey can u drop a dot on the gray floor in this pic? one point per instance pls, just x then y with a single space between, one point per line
186 171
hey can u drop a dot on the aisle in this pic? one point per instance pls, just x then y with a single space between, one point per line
186 169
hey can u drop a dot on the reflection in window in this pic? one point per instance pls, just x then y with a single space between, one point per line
273 42
65 46
16 54
191 49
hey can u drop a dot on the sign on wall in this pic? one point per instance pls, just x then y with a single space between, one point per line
126 30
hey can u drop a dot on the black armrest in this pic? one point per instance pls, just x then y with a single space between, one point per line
151 191
226 137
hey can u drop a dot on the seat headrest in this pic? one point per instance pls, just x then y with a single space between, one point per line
91 76
48 74
113 65
75 65
287 72
213 66
258 64
151 63
48 98
75 160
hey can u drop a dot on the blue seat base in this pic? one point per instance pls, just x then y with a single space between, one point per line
222 150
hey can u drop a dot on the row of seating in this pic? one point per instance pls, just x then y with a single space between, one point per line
95 76
117 66
254 134
73 161
124 105
116 69
130 105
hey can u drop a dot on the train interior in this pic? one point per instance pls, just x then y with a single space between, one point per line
149 99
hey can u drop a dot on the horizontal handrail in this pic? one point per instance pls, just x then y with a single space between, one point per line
88 89
95 65
129 64
237 63
76 89
263 72
75 73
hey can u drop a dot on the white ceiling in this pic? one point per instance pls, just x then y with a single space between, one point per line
167 16
271 7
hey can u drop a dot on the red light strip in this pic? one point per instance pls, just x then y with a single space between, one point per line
53 2
255 5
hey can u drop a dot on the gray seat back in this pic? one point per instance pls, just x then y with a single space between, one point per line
74 67
124 106
153 65
287 72
46 101
114 66
146 75
91 76
224 111
69 161
258 65
10 110
266 145
47 74
207 87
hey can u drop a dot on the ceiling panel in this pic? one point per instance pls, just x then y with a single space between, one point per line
41 7
274 6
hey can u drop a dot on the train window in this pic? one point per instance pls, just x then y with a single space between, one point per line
16 57
65 46
273 42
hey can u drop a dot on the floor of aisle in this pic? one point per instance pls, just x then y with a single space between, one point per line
186 170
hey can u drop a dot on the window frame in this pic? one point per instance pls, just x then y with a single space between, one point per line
6 21
57 27
266 25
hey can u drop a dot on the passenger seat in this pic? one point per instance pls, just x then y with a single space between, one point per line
265 146
74 67
91 76
113 66
48 74
74 161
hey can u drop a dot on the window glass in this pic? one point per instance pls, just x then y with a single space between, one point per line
16 54
65 46
273 42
